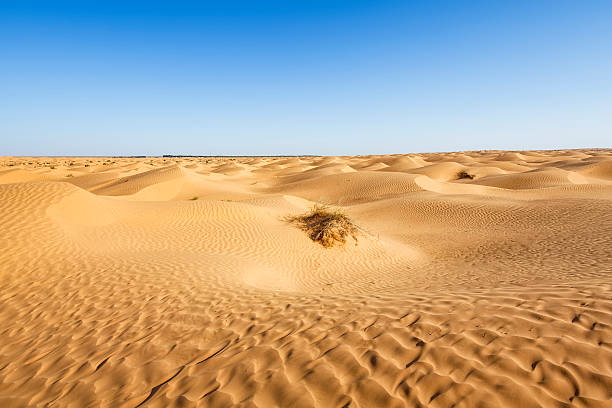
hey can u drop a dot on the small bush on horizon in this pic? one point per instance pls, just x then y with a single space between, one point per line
464 175
194 198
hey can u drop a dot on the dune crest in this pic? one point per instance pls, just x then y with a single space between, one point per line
178 282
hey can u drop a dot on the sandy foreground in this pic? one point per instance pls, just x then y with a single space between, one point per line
488 288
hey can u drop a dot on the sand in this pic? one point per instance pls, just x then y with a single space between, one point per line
118 288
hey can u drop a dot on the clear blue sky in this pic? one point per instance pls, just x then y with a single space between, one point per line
303 77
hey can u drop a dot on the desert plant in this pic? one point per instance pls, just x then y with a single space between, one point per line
464 175
68 175
325 225
194 198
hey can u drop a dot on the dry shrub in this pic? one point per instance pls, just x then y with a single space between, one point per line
464 175
326 226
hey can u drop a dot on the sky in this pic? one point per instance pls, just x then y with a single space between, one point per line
303 77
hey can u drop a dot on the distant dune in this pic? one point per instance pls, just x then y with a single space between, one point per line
479 279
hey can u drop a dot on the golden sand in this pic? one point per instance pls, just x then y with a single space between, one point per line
480 279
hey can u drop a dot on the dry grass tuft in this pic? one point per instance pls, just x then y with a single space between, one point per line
326 226
464 175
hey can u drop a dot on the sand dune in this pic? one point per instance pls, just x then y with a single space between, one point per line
162 282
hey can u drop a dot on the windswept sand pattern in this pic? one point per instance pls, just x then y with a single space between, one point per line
480 279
